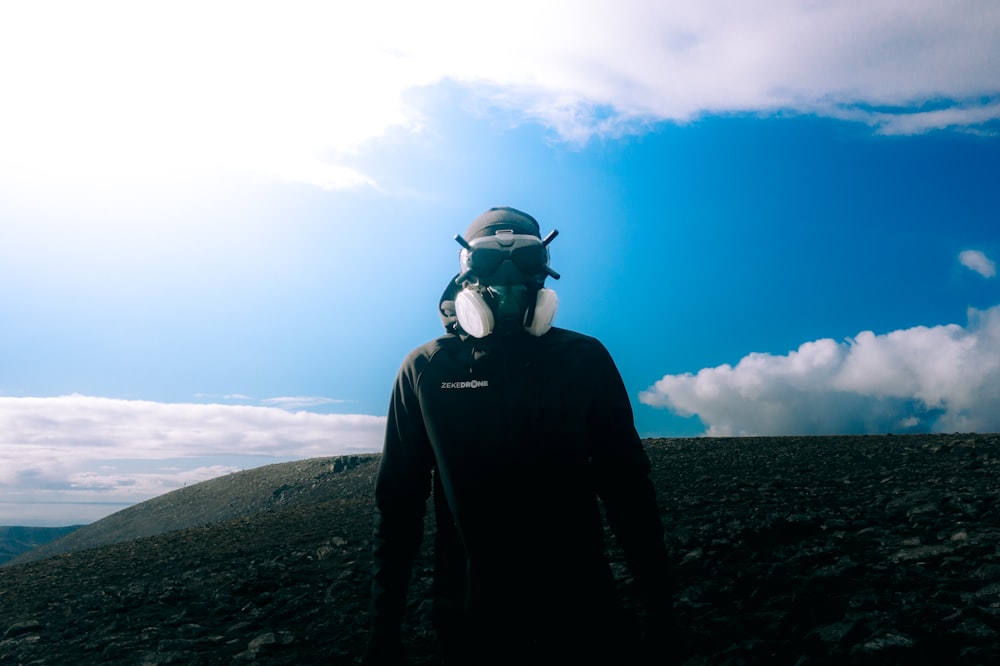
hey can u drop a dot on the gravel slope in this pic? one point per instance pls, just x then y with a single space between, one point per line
792 550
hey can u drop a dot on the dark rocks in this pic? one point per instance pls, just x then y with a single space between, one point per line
818 550
21 628
265 644
877 550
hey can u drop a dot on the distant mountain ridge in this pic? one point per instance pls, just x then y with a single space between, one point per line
17 540
240 494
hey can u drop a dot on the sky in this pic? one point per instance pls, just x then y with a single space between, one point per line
223 225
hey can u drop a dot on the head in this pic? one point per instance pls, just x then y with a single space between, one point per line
503 265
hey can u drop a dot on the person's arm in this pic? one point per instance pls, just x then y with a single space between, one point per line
402 487
621 468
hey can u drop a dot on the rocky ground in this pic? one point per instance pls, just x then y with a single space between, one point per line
818 550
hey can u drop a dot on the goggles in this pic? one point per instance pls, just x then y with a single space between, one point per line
505 258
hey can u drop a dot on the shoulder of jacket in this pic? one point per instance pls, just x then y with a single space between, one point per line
564 336
425 352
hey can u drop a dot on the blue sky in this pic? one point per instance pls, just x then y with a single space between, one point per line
222 230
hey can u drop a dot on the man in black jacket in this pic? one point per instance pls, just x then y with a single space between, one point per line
517 428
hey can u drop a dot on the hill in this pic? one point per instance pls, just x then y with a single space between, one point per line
251 492
795 550
16 540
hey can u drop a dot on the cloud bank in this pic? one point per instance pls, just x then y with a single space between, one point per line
80 449
921 379
293 90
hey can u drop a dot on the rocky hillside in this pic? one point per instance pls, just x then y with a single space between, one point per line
248 493
821 550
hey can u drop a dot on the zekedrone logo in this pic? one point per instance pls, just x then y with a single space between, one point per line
472 384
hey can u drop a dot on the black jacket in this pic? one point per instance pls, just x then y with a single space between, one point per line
517 436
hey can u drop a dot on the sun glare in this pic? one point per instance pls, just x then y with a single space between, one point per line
113 94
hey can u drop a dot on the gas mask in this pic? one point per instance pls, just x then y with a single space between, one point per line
502 277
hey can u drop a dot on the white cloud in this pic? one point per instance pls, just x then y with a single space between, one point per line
979 262
102 90
88 449
300 402
941 379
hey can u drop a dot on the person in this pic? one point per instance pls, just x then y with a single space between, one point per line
518 429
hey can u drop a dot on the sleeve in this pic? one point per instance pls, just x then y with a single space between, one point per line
402 487
621 469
